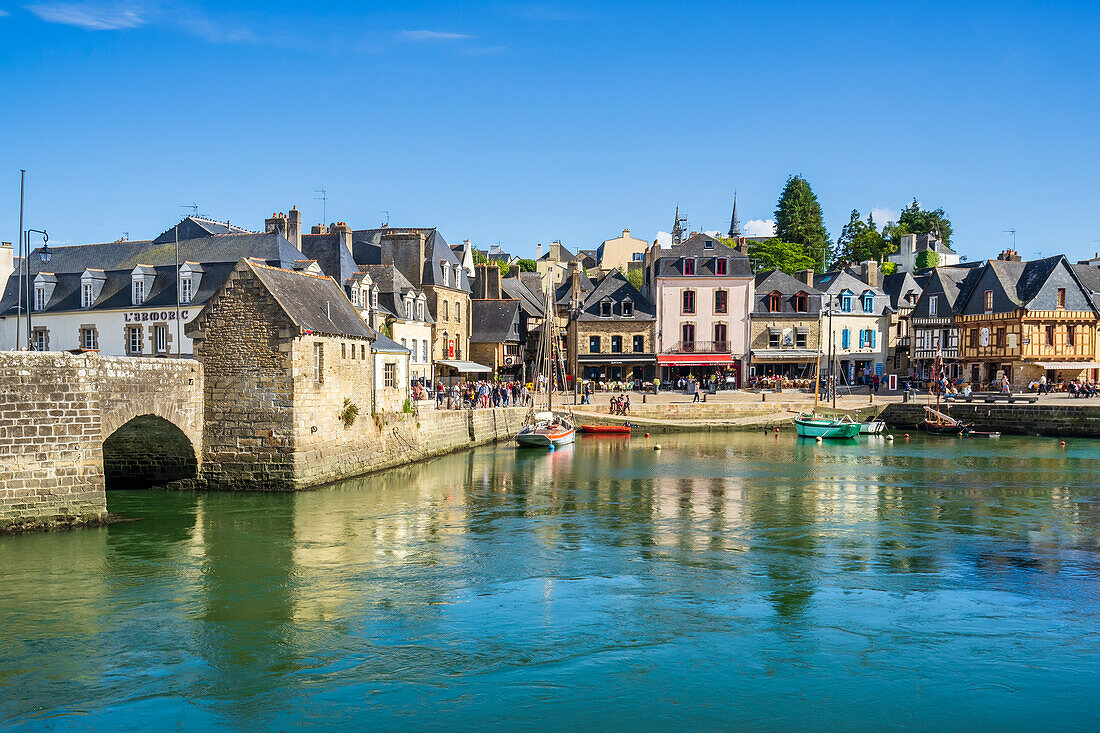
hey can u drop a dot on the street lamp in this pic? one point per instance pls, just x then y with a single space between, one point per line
46 256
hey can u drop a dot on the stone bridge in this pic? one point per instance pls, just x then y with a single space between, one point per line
73 425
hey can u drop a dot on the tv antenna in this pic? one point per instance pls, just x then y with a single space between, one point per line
193 206
385 217
323 198
1013 233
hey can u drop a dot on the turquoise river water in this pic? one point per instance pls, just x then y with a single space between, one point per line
748 582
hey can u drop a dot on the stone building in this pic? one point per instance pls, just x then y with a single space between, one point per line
497 341
703 291
903 289
402 310
611 335
120 298
786 325
288 362
1025 320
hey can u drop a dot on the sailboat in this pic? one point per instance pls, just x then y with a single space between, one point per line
936 421
545 429
810 425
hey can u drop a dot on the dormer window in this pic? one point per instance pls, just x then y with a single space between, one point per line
185 289
721 266
868 302
408 307
628 309
138 291
374 298
689 265
87 295
40 297
801 303
846 302
775 301
420 310
708 244
933 305
446 274
605 309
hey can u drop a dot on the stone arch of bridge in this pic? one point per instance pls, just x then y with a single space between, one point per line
148 450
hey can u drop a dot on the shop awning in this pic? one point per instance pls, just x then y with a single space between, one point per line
465 367
1068 364
693 359
796 355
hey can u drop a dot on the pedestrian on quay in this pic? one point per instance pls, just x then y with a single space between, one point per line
698 394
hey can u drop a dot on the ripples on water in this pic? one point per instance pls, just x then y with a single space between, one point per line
740 581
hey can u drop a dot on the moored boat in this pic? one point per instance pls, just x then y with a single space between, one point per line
941 424
872 427
606 429
808 425
547 430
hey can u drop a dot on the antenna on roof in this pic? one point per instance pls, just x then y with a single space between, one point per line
1013 233
385 217
125 236
323 198
193 206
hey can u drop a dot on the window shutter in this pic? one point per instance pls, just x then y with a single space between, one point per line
845 338
873 334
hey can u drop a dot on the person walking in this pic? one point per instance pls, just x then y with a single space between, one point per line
1043 384
698 394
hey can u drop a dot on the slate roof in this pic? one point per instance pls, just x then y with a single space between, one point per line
616 288
194 227
788 287
954 284
897 285
218 255
332 255
1023 280
563 295
531 302
366 249
314 303
836 282
392 286
670 263
383 344
564 255
494 321
1089 276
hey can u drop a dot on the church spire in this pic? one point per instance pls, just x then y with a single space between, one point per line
677 229
735 225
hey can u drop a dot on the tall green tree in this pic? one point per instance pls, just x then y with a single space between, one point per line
634 277
860 241
798 220
915 220
926 259
775 254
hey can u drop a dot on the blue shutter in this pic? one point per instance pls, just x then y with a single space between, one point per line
873 334
845 339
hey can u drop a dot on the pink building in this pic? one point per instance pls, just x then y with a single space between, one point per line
703 291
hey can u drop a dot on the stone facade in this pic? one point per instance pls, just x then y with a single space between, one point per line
1074 420
57 410
760 331
634 364
452 322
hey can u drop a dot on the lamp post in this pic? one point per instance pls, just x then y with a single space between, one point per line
45 255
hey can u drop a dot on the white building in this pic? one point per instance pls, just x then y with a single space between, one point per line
857 321
402 310
120 298
913 244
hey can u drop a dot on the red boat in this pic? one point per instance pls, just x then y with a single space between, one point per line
606 429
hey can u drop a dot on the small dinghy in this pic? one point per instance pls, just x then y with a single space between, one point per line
606 429
872 427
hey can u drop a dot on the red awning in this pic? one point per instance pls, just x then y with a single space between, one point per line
693 359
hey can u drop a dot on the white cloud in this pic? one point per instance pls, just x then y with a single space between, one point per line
90 16
664 239
883 214
431 36
4 13
759 228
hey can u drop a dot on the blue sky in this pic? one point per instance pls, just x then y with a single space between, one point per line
529 122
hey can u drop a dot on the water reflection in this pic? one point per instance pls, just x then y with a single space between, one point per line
726 578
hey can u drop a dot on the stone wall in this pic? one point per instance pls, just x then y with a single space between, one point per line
1070 420
57 409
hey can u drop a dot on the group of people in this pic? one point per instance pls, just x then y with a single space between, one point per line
620 405
471 395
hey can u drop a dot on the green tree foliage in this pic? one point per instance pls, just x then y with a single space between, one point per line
889 268
915 220
798 220
927 259
775 254
860 241
634 277
526 265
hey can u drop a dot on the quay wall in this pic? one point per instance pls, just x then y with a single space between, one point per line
1080 421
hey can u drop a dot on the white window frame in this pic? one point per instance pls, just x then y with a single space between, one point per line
160 339
319 362
40 297
135 337
87 295
41 339
186 292
389 374
88 339
137 291
933 305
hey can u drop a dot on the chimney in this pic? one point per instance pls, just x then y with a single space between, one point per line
318 229
294 227
626 234
481 277
492 283
806 277
277 223
343 234
538 251
908 243
1009 255
869 272
7 261
575 283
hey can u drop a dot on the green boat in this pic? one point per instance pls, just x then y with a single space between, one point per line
811 426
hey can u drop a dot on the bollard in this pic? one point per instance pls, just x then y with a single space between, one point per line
643 398
872 395
763 397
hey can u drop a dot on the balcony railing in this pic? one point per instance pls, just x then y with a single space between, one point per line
699 347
